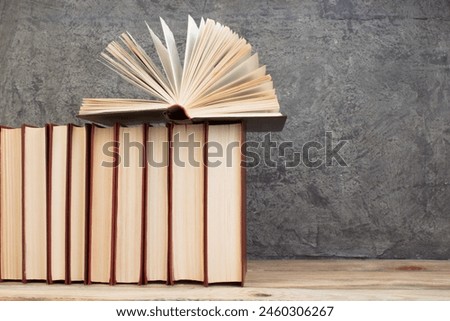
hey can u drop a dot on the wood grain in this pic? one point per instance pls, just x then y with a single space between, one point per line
275 280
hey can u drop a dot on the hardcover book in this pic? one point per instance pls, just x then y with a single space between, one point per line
220 79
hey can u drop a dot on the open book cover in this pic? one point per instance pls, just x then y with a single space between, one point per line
220 80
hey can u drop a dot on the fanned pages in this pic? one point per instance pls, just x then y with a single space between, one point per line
191 38
175 64
218 78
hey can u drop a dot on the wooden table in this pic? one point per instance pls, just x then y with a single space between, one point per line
275 280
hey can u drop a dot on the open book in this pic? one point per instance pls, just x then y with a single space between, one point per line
220 79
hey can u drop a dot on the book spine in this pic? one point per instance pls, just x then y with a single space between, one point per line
243 206
88 204
205 204
24 273
115 181
49 151
68 211
170 278
143 275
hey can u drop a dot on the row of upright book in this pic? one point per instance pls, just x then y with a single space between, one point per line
122 204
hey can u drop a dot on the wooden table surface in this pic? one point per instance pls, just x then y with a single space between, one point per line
275 280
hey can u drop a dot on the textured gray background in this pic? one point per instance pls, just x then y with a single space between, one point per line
375 73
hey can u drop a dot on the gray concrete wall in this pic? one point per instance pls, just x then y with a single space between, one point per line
374 73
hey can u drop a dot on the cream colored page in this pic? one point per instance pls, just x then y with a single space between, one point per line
129 204
35 210
58 202
187 206
101 210
224 206
11 204
78 204
157 203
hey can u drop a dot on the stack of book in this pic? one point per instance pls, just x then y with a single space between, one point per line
122 201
